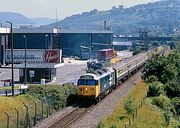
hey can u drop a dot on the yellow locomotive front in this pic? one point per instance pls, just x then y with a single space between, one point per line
88 88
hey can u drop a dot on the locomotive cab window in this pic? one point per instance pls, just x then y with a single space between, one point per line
87 82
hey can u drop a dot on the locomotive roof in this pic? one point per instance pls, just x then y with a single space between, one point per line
98 73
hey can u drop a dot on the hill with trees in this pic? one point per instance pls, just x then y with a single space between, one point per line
160 18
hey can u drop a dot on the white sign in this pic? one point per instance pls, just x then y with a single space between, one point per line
34 56
31 73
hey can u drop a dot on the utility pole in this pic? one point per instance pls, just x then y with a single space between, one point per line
12 61
25 56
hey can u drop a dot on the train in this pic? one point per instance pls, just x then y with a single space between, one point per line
94 86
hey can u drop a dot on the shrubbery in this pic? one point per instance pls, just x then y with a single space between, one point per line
151 79
55 96
136 52
172 89
155 89
162 102
129 106
163 78
176 103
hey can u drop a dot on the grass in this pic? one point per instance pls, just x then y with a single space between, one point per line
148 117
151 117
8 104
9 88
119 117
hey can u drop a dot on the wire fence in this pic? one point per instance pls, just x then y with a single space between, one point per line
26 116
134 115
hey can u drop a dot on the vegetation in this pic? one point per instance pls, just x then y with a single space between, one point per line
52 97
55 96
8 104
163 78
158 18
129 106
149 116
136 52
125 107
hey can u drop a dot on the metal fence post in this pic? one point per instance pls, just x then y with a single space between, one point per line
42 110
17 120
133 117
27 118
129 121
125 126
35 112
7 125
47 111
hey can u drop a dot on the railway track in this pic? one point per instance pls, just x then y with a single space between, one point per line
71 117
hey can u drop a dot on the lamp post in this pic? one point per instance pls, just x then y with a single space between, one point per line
25 56
12 61
46 42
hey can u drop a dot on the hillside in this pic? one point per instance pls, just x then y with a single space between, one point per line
19 19
161 17
15 18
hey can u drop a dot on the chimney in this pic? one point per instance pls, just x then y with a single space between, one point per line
105 25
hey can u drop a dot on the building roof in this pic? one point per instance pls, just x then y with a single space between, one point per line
50 30
35 30
85 31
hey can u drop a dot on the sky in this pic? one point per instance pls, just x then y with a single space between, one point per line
47 8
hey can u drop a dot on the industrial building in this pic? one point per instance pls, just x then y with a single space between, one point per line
43 44
81 43
84 43
3 43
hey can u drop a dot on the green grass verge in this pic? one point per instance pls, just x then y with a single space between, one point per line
148 117
8 104
9 88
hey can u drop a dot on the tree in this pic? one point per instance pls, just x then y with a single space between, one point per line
151 79
129 106
172 89
167 117
155 67
162 102
176 103
155 89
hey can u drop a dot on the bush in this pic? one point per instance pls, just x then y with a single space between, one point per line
151 79
172 89
176 103
167 117
136 52
55 96
129 106
100 125
155 89
162 102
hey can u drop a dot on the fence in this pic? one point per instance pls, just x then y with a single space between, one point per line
26 116
135 114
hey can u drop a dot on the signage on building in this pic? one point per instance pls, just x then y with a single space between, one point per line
51 56
31 73
34 56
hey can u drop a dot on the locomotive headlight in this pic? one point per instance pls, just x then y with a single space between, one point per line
86 89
